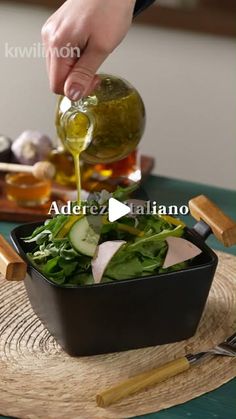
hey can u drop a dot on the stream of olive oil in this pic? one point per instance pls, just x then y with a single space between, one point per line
77 136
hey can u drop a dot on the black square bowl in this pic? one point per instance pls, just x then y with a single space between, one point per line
121 315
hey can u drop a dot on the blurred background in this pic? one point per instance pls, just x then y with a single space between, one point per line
180 55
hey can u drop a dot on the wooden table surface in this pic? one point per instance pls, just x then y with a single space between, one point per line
220 403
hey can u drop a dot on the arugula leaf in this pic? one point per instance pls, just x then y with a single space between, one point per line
67 265
57 277
51 226
124 266
177 232
81 279
150 265
51 265
174 268
122 193
151 249
39 237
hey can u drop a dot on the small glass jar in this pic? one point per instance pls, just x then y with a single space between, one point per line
26 190
64 165
96 177
110 175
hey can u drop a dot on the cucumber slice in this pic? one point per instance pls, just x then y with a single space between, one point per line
84 236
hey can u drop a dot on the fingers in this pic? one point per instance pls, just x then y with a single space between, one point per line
72 76
60 57
92 30
81 80
58 72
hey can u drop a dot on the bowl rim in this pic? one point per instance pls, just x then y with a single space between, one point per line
16 241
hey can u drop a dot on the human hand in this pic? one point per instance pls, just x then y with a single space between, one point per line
95 27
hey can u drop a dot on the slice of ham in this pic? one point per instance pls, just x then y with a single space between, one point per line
179 250
104 254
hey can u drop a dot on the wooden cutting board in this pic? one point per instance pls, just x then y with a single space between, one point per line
10 211
38 380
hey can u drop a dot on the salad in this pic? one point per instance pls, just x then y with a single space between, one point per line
84 249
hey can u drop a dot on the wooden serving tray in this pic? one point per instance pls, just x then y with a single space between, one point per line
39 380
10 211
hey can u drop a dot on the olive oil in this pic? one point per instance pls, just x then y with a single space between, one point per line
104 127
76 128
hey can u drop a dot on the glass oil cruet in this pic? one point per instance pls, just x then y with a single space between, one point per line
104 127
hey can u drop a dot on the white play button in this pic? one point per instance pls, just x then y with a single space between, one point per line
116 210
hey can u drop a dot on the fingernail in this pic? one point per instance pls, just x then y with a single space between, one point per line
75 92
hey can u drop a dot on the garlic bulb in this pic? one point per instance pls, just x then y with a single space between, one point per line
31 147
